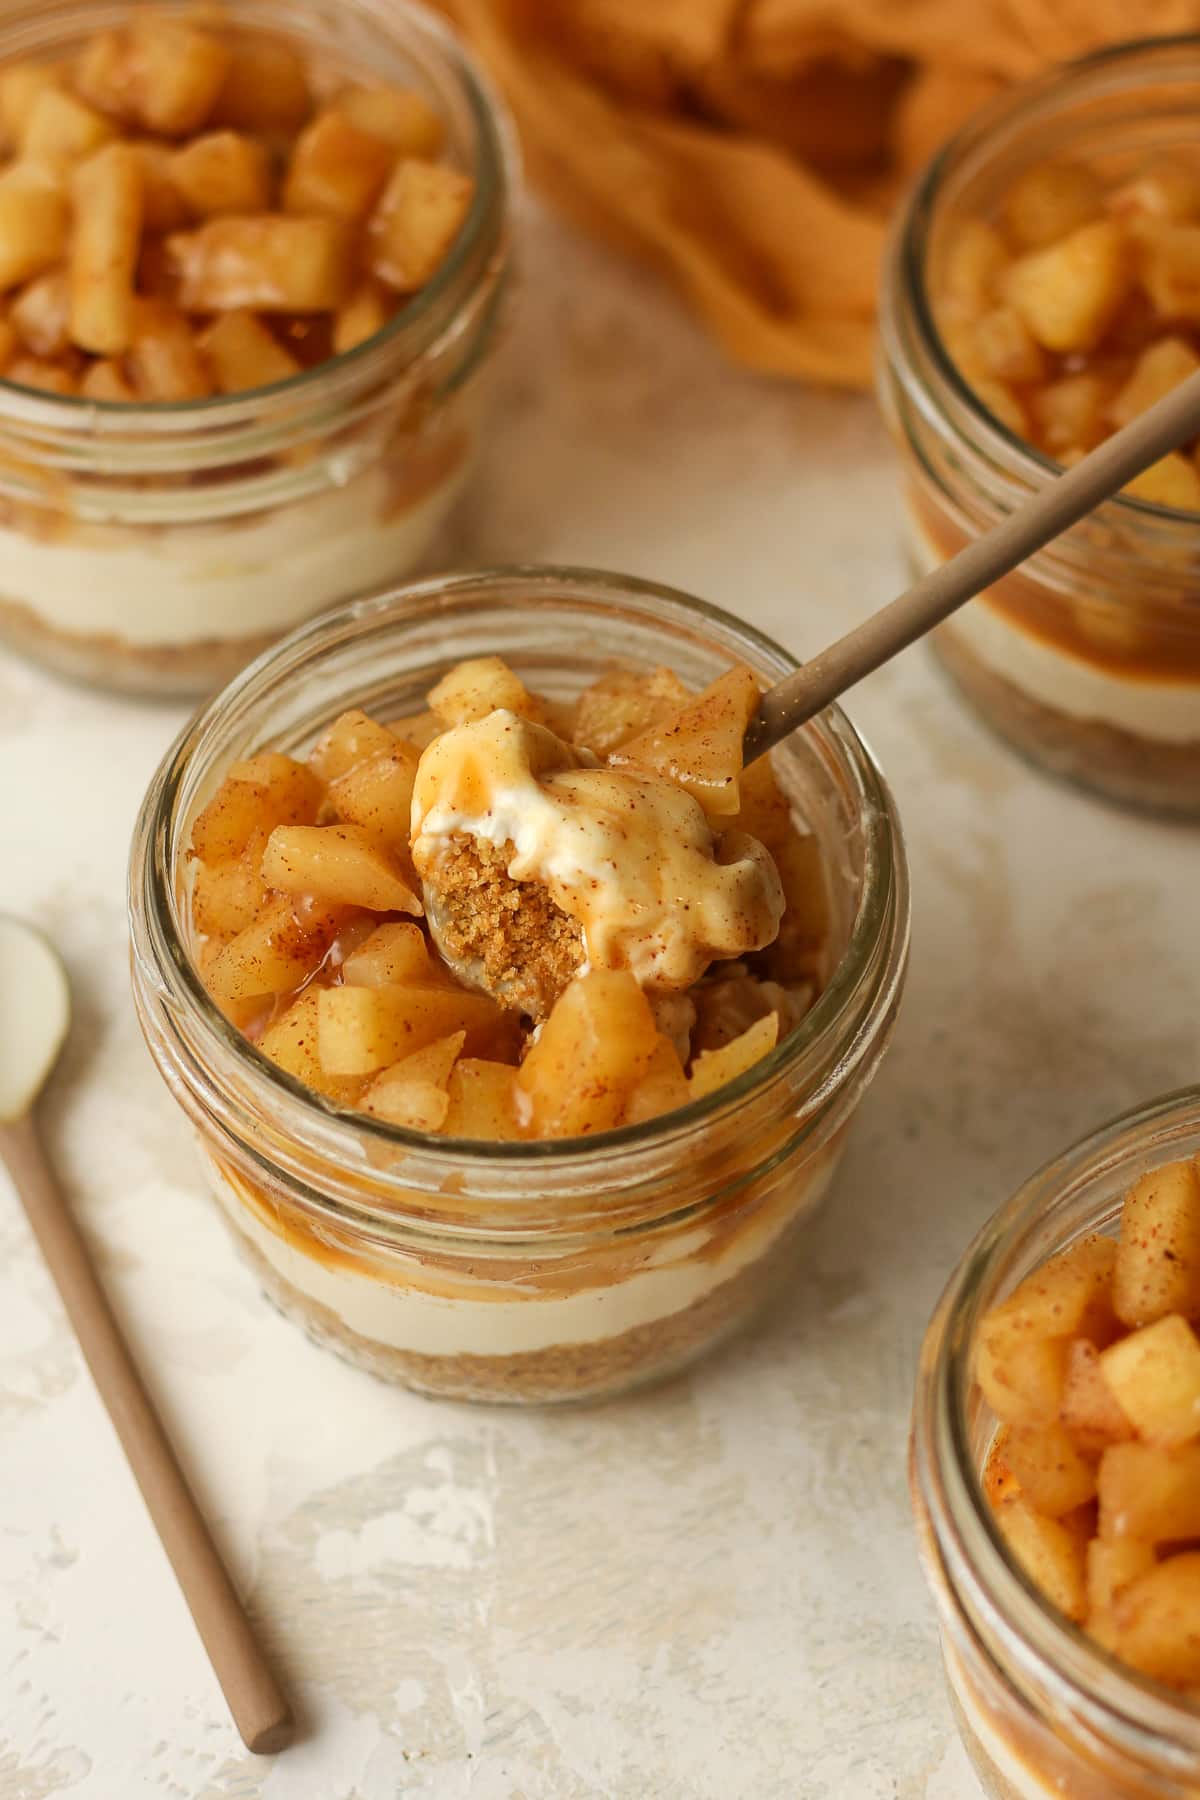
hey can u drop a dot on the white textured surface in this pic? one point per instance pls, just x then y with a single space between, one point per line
709 1590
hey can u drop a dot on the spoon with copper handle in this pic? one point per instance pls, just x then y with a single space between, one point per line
1166 425
35 1011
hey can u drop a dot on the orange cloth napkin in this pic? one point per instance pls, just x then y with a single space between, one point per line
752 148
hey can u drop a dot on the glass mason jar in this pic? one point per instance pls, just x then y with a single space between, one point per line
155 548
520 1271
1043 1711
1088 658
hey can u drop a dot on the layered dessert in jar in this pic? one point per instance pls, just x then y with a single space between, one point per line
1041 297
528 953
249 269
1083 1414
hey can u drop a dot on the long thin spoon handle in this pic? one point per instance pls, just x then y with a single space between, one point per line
1166 425
259 1709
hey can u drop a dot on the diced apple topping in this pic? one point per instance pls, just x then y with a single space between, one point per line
303 887
190 163
1076 306
1094 1364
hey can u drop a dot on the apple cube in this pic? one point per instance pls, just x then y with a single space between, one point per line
1089 1413
34 223
1172 481
1151 1493
976 258
1160 367
274 955
1006 348
107 197
1170 267
291 1042
1049 1470
1158 1621
63 129
400 118
714 1069
364 1029
265 88
396 952
477 687
1068 1296
341 864
1049 201
1069 293
335 169
1165 187
263 261
164 360
49 377
1050 1552
1158 1263
1111 1565
178 72
1024 1381
1154 1374
662 1089
1071 414
376 793
21 85
412 1092
222 172
242 354
620 706
419 215
106 380
40 314
701 747
597 1043
350 739
229 895
265 790
483 1101
366 311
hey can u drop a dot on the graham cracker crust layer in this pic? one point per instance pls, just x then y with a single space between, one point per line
561 1372
1136 771
147 670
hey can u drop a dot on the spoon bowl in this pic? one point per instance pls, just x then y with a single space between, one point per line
35 1014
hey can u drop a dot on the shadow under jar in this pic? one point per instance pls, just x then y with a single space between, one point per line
1088 658
154 548
529 1271
1042 1709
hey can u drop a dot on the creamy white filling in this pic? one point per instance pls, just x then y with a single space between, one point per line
1146 706
626 853
176 585
1008 1765
508 1319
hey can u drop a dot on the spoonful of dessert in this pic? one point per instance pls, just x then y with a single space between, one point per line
35 1011
535 865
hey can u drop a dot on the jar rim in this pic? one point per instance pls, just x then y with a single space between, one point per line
878 934
421 318
911 233
974 1555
